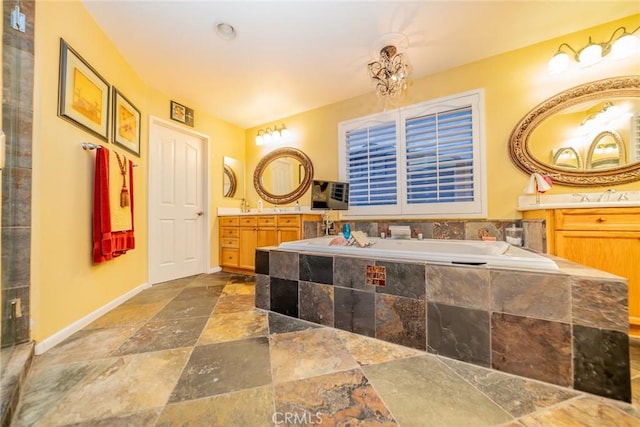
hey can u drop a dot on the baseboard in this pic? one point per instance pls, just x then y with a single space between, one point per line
216 269
61 335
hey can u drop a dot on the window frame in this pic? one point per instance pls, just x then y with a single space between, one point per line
402 209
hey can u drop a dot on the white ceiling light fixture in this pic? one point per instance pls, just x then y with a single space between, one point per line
391 72
225 31
268 135
624 45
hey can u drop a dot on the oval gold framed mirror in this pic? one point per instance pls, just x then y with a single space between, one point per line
283 175
532 141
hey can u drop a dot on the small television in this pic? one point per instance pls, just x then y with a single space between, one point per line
330 195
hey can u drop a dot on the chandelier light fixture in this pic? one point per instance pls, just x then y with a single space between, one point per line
621 44
390 73
270 136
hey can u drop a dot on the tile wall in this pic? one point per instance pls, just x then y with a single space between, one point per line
567 328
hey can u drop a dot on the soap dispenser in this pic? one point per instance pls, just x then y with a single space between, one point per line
260 206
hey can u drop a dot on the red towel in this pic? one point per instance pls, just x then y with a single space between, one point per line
106 244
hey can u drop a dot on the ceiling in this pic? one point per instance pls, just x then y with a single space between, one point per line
293 56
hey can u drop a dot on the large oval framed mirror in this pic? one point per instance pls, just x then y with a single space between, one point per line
585 121
283 175
229 182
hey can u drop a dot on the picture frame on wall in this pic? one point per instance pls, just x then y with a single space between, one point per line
180 113
126 123
83 94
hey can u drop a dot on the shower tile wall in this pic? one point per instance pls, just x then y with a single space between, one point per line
17 119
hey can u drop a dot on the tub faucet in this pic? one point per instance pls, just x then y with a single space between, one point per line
605 196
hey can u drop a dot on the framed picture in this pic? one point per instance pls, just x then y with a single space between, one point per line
126 123
181 114
83 94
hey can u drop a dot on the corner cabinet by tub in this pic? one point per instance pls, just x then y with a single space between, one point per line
240 236
604 238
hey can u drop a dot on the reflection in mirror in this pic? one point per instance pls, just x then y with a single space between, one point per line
557 135
607 151
232 178
283 175
567 157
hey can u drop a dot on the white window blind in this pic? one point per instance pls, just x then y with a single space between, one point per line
423 160
372 165
439 157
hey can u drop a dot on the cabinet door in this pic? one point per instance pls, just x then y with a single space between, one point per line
247 252
288 234
267 236
616 252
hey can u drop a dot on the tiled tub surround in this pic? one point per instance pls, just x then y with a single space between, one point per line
567 328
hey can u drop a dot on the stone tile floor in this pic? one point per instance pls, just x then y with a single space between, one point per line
196 352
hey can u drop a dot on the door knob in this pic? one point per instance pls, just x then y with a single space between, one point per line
199 213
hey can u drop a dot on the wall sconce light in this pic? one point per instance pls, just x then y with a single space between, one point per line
268 135
624 45
391 73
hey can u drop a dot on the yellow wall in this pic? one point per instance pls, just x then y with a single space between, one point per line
514 83
66 286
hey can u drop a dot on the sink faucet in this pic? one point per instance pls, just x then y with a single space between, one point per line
583 197
605 196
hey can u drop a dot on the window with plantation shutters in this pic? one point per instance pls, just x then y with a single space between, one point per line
423 160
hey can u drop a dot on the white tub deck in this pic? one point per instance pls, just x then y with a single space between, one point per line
467 252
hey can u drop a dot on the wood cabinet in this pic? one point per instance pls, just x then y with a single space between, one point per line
241 235
604 238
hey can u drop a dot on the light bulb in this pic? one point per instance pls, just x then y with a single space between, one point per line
259 140
284 132
626 45
590 55
559 63
268 138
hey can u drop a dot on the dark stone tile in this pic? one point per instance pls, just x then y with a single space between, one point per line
16 256
16 194
283 265
284 296
532 348
460 333
535 236
316 303
317 269
369 228
448 230
355 311
262 262
401 321
459 286
16 330
601 362
222 368
279 324
351 273
191 302
163 335
473 230
543 296
403 279
600 304
311 229
19 136
263 292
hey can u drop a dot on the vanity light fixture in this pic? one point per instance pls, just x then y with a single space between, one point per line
268 135
619 46
391 72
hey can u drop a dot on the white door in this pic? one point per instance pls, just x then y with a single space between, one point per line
176 202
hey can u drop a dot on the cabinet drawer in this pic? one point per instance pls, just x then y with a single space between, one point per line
230 242
229 257
229 221
229 232
617 219
266 221
288 220
248 221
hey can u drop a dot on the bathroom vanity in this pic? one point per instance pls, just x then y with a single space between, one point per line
606 238
241 234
